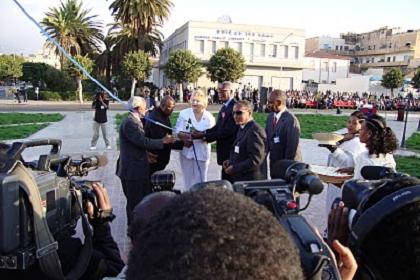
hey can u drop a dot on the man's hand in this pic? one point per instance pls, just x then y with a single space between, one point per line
197 135
225 164
331 148
151 158
346 262
338 224
229 170
104 203
168 139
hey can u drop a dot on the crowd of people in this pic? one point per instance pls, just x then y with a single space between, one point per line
214 233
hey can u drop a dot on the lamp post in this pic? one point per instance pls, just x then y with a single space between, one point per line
407 103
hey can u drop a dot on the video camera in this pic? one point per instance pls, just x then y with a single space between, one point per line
370 201
41 201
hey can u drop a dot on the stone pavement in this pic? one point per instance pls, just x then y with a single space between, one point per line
75 130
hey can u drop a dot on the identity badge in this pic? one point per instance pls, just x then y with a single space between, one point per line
223 115
237 149
276 140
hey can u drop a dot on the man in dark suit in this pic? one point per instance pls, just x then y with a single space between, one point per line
224 131
248 152
161 114
133 164
283 130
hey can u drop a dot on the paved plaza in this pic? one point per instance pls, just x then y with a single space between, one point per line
75 130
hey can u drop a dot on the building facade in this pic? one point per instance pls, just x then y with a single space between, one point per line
273 55
327 43
325 68
45 55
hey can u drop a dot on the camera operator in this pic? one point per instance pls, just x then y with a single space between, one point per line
217 234
105 259
391 249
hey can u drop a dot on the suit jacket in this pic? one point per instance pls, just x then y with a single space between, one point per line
287 130
223 132
248 152
133 164
154 131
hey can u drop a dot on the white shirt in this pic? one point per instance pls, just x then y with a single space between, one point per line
346 153
365 159
278 115
186 122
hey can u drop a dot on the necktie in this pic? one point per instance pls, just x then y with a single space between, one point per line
274 122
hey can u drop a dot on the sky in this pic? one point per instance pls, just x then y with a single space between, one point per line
317 17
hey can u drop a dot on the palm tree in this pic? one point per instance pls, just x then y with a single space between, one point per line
73 28
141 17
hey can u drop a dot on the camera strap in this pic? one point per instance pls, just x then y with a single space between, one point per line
46 246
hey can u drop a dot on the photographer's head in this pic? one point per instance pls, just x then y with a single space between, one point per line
214 234
379 138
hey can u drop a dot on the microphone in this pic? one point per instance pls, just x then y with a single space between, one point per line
371 172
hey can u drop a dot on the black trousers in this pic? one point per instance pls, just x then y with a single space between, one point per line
134 191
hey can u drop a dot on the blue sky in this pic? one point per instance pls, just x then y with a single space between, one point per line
316 17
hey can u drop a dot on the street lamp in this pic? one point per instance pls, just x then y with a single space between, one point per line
407 103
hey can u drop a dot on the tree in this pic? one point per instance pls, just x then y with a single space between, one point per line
226 65
141 16
10 66
137 65
75 72
392 79
416 80
34 72
183 66
72 27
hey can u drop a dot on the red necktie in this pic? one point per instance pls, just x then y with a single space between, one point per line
274 122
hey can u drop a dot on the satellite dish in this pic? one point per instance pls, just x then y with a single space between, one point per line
224 19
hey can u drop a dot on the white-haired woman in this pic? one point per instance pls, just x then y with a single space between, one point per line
195 160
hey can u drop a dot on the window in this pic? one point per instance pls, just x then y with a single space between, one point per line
334 67
325 66
373 60
212 46
272 50
393 58
199 46
260 50
223 44
336 48
388 59
237 46
295 51
285 51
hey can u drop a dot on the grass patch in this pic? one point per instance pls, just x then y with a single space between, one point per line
20 131
20 118
414 141
309 123
408 165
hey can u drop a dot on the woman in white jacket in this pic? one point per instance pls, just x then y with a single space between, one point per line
344 153
195 164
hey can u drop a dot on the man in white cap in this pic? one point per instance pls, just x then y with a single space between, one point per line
133 164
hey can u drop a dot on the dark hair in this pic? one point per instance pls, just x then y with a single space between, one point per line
393 246
383 139
358 114
214 234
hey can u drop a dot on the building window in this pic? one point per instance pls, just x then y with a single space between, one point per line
373 60
223 44
341 48
260 50
295 51
285 51
237 46
334 67
325 68
336 48
199 46
212 46
272 50
393 59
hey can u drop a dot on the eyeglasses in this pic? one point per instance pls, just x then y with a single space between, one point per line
239 113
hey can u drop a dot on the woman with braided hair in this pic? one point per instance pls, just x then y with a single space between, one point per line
380 142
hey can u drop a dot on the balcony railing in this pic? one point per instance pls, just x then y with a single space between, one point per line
384 51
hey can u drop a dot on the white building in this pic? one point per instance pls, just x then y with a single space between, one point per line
45 55
327 43
325 68
273 55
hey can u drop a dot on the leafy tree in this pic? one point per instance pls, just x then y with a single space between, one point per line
34 72
183 66
73 28
75 72
416 80
137 65
226 65
392 79
140 17
10 66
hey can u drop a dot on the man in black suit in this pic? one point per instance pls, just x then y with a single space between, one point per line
248 152
224 131
161 114
133 164
282 129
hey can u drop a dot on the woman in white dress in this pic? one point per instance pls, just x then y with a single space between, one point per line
344 154
195 164
380 142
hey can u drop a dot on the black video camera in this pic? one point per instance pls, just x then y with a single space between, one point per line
381 194
41 196
280 196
